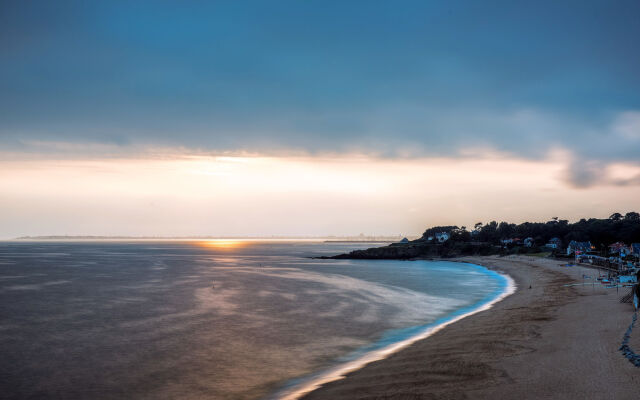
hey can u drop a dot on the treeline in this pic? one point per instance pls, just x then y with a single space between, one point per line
600 232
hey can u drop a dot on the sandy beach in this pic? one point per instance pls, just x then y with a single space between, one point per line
546 340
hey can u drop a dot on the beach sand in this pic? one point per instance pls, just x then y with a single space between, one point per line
547 342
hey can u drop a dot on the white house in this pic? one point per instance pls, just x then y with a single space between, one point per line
554 243
442 237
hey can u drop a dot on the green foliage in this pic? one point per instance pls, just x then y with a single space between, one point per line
437 229
601 232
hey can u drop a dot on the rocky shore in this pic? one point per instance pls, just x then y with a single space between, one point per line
420 249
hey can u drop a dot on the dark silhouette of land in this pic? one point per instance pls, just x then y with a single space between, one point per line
506 238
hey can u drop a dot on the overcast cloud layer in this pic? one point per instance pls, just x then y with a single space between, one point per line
389 78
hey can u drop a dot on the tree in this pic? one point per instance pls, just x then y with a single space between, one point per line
505 230
615 217
437 229
600 232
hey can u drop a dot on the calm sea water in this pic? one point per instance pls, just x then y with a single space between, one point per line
107 320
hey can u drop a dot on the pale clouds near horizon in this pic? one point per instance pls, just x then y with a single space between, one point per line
203 195
399 132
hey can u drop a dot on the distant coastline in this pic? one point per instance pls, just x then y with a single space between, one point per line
328 239
617 236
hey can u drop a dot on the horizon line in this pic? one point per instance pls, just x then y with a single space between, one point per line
211 237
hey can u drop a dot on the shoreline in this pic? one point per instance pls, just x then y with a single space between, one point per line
340 371
545 341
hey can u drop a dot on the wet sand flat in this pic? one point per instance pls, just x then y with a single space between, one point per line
547 342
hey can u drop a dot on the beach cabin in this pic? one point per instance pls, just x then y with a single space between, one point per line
554 243
627 279
578 247
619 248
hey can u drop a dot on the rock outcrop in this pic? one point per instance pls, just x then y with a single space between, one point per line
420 249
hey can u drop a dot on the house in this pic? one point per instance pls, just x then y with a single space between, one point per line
578 247
442 237
554 243
404 240
511 241
619 248
528 242
627 279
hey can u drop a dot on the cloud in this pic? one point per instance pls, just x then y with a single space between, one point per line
590 158
627 125
583 174
634 180
420 79
396 131
390 129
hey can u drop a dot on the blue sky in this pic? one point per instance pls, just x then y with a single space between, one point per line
372 76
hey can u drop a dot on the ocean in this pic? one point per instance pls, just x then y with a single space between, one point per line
210 319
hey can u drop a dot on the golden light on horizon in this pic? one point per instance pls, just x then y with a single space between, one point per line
223 244
293 196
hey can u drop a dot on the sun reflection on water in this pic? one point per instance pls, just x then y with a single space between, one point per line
224 244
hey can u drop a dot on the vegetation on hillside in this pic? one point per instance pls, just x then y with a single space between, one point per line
486 239
600 232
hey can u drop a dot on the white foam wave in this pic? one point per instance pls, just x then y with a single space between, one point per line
342 370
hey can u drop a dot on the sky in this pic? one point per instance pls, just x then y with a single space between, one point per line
314 118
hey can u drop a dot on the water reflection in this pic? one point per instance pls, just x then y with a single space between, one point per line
223 319
224 244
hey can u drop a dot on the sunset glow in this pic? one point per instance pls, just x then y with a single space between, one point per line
176 195
223 244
